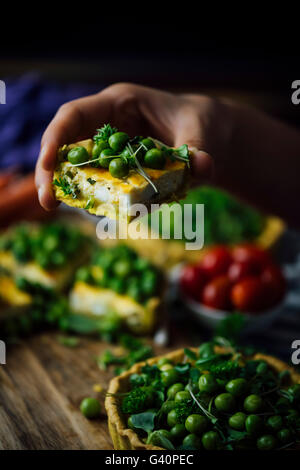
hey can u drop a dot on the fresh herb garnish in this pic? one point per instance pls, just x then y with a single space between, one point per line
104 133
91 181
67 188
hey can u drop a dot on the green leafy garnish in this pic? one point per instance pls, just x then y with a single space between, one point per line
67 188
104 133
144 421
136 401
91 181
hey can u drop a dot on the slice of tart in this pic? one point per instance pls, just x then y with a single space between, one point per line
108 181
118 281
47 254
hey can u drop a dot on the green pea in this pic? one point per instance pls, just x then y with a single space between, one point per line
167 406
196 424
141 264
284 435
172 418
275 423
104 159
163 361
182 396
134 292
177 432
122 268
118 140
78 155
266 442
166 367
224 402
254 424
210 440
253 403
155 158
98 147
149 282
83 274
207 383
191 441
236 387
148 143
237 421
118 168
172 391
169 377
90 408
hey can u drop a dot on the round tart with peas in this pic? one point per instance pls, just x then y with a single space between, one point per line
113 170
210 398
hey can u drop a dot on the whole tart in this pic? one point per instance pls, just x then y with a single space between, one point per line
126 439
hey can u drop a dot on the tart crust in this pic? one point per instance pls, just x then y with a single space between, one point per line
126 439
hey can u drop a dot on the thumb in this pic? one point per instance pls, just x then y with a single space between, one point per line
201 160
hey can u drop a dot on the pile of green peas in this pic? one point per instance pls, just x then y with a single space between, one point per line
124 272
115 155
237 411
50 245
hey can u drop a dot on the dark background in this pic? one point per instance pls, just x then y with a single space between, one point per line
246 56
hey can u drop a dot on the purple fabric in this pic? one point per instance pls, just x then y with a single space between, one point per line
30 104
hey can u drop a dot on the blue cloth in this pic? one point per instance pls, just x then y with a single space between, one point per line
31 103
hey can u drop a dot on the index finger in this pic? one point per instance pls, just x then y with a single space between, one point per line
75 120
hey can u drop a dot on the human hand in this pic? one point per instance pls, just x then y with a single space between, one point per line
195 120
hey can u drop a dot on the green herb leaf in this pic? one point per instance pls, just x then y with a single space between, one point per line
144 421
67 188
104 133
91 181
190 354
159 440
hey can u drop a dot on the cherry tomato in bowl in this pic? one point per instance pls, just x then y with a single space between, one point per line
192 280
275 284
239 270
252 255
249 294
216 294
216 261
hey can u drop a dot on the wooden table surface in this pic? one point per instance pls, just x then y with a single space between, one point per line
41 387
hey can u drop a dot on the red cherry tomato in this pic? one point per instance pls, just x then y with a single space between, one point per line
274 281
238 271
216 294
192 280
248 295
251 254
216 261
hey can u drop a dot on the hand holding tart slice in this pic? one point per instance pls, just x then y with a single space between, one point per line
106 175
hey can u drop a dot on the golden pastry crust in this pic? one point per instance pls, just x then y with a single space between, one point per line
126 439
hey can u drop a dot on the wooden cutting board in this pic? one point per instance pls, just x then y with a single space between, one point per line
41 387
